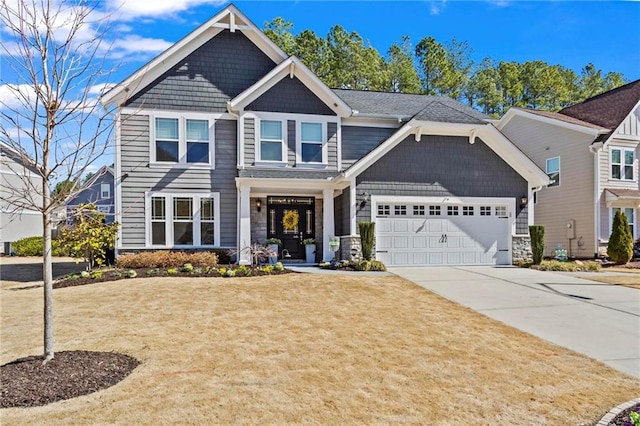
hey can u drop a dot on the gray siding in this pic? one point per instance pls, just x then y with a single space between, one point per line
359 141
92 195
249 141
207 78
290 95
135 162
291 143
442 166
332 145
341 213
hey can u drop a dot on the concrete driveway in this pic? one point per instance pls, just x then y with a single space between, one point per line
599 320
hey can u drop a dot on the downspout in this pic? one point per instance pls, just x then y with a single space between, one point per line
595 149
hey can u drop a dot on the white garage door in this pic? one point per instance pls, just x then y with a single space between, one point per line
413 235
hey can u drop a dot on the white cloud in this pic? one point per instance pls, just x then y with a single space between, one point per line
99 89
133 43
127 10
17 96
435 7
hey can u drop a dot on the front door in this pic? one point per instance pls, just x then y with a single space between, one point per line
291 219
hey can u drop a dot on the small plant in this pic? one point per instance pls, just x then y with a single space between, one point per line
230 273
187 267
85 274
74 276
635 418
273 241
243 270
198 271
620 247
96 275
116 274
537 243
257 253
267 269
222 271
308 241
172 271
151 271
131 273
278 267
367 238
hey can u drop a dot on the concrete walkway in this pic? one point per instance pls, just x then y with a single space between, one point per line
599 320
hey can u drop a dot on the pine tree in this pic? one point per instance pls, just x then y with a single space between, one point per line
620 247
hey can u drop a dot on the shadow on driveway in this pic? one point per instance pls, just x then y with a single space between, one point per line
25 270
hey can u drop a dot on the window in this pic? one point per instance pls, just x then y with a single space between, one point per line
400 210
183 220
501 211
271 141
105 190
628 212
622 163
485 210
182 141
384 210
311 143
418 211
434 210
452 210
553 171
467 210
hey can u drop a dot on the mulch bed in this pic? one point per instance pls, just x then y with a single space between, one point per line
633 264
623 418
28 383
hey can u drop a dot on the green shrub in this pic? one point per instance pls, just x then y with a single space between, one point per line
267 269
116 274
537 243
172 271
167 259
152 271
367 236
85 274
370 265
34 246
187 267
278 267
243 270
620 247
96 275
131 273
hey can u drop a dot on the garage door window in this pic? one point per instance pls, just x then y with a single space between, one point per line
501 211
400 210
485 210
384 210
418 211
467 210
434 210
452 210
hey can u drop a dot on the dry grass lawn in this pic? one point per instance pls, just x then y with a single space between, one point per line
627 280
305 349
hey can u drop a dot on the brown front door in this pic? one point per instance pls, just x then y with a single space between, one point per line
302 208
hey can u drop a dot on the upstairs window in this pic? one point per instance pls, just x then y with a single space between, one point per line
553 171
271 141
105 190
311 143
182 141
622 163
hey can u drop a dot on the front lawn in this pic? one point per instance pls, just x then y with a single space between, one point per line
305 349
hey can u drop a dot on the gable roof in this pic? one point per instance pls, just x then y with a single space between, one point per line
229 18
97 175
291 67
607 109
553 118
562 117
404 106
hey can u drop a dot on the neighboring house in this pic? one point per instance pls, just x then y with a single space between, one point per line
98 190
590 151
19 186
223 134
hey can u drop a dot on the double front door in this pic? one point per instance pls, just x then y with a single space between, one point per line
291 219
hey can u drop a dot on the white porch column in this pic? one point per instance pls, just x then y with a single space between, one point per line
328 228
244 258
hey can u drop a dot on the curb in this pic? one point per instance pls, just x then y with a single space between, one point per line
617 410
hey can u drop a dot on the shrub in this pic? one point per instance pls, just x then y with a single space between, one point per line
131 273
620 247
278 267
85 274
187 267
152 271
172 271
166 259
267 269
537 243
367 235
96 275
34 246
116 274
243 270
369 265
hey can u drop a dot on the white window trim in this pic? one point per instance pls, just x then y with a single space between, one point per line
635 225
325 142
283 122
633 165
169 196
182 140
102 191
546 170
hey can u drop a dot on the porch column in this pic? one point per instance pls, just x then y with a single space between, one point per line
328 228
244 258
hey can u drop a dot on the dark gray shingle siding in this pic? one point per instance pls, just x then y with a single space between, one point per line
290 95
207 78
359 141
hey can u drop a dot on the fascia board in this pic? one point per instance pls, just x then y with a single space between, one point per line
513 112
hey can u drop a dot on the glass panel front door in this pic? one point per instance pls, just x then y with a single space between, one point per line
291 219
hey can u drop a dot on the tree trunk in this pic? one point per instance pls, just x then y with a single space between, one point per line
47 276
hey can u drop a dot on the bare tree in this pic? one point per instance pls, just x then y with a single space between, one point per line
53 124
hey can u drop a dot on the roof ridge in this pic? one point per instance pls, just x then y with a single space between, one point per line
453 107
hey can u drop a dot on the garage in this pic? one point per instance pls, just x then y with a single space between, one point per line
419 234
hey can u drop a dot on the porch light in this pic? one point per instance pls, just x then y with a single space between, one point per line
523 201
258 204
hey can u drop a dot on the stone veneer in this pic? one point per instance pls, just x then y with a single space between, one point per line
521 248
348 242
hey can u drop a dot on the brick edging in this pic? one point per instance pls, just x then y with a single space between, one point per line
617 410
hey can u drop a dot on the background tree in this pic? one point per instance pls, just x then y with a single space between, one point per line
403 77
484 90
591 81
433 63
280 31
54 50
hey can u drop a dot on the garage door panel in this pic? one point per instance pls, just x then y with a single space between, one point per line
419 242
419 258
435 258
401 258
401 242
384 242
419 226
401 225
384 225
434 225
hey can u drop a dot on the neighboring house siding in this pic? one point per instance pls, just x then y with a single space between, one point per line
359 141
630 127
207 78
135 161
92 195
290 95
446 166
574 197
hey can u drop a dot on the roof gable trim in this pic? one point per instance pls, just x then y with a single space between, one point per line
514 112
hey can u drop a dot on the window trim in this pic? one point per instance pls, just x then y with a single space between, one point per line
102 191
169 237
284 160
622 164
546 169
324 144
182 140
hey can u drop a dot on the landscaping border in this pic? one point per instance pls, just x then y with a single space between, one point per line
615 411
